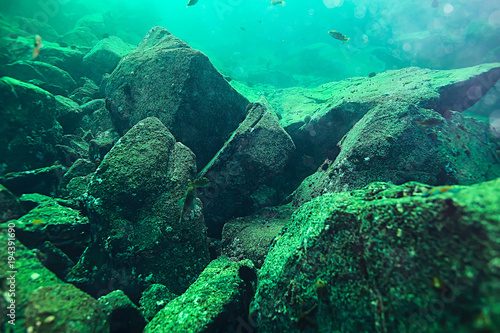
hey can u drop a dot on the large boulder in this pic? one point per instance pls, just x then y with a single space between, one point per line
319 118
28 126
139 228
408 258
256 151
165 78
104 57
45 76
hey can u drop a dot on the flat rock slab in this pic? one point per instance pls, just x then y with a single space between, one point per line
43 75
165 78
406 258
318 118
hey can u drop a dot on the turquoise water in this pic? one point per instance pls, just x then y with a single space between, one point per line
288 45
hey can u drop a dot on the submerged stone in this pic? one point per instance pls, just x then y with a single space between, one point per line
165 78
406 258
138 227
217 301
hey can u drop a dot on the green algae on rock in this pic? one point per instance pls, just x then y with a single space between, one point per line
388 258
132 204
216 299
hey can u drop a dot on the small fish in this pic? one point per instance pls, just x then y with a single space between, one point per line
200 182
435 4
36 48
277 2
37 221
192 3
338 35
243 28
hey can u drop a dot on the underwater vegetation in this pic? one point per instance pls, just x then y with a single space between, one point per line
249 166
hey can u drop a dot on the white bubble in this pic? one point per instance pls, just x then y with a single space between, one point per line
329 3
360 11
311 11
474 92
406 47
494 19
448 8
338 3
495 123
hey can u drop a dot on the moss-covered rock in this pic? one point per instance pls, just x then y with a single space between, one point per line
409 258
217 302
153 299
64 308
124 316
139 227
250 237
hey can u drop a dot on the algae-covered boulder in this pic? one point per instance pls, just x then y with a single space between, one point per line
45 76
28 126
153 299
124 316
139 229
64 57
409 258
217 302
165 78
256 151
104 57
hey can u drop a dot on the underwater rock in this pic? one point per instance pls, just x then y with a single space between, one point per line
153 299
80 37
97 119
32 27
138 229
94 22
408 133
250 237
165 78
69 114
31 275
75 181
45 76
409 258
64 58
10 207
256 151
398 142
101 145
86 93
317 119
42 180
28 126
66 228
217 301
104 57
64 308
124 316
